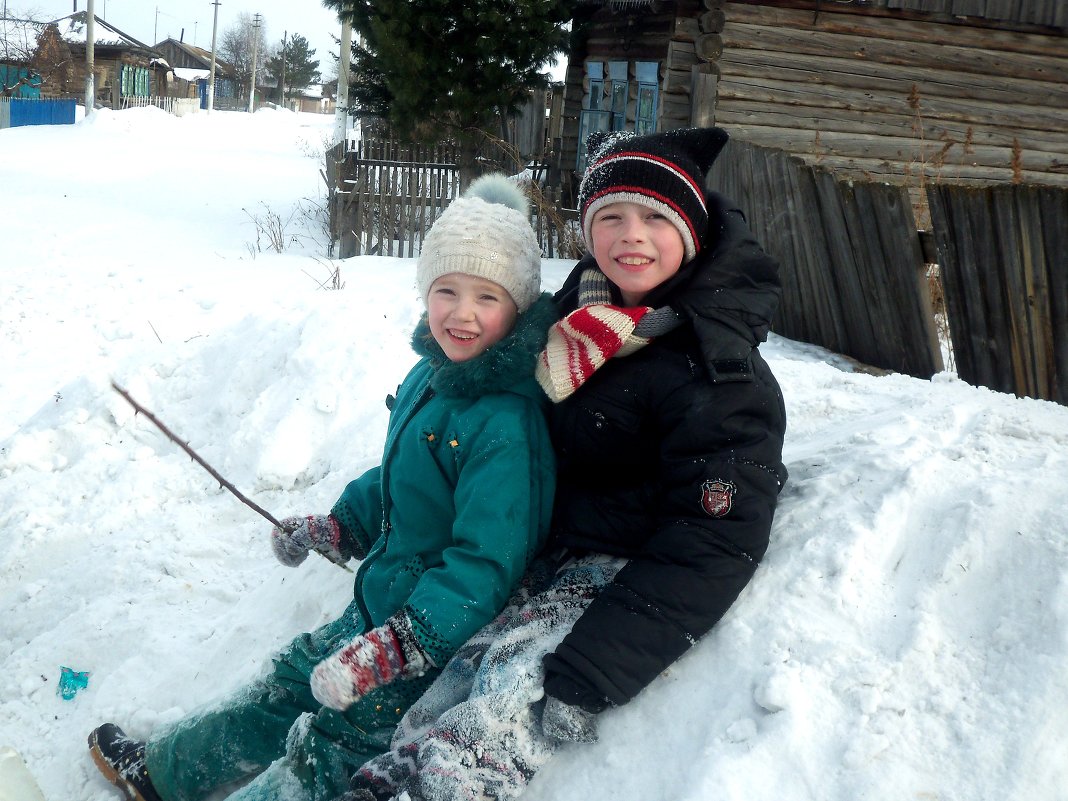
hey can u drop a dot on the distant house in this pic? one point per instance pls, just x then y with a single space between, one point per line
884 90
122 65
314 99
192 69
34 60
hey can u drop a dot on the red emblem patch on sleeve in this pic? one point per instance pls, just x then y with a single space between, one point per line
717 497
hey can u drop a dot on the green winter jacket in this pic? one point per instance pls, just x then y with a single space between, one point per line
463 497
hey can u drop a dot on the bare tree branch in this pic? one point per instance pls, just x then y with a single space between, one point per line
214 473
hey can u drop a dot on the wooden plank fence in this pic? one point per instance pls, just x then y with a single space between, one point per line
385 195
1003 252
852 267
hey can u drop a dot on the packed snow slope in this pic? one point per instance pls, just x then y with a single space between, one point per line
905 638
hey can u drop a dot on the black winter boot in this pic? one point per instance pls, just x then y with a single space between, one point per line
122 761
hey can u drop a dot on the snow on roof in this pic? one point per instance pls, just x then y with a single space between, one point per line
190 74
72 29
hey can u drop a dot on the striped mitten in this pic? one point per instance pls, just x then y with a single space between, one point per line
369 661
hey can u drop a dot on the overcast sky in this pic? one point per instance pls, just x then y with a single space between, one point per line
139 19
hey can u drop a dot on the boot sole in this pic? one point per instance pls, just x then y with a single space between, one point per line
110 773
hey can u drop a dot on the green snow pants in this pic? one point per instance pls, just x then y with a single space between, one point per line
276 731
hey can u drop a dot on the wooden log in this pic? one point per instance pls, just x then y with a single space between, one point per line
685 29
680 55
909 173
712 21
887 79
913 54
801 96
898 29
893 148
958 136
709 46
702 97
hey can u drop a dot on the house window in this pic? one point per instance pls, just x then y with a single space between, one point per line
606 107
648 75
594 116
617 82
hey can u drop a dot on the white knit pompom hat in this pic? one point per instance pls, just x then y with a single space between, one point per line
485 232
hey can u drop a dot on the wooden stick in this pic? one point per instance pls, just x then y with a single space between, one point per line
214 473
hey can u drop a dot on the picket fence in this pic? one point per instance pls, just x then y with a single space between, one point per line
385 195
178 106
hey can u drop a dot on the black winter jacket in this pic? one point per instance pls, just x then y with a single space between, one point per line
671 457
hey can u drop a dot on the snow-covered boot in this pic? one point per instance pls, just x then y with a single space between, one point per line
122 761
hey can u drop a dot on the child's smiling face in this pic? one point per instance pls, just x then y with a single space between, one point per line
468 315
636 247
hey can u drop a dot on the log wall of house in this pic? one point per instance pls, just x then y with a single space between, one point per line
904 100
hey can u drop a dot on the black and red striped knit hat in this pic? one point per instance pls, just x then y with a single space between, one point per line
665 171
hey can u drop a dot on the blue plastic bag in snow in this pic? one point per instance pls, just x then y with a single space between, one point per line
70 681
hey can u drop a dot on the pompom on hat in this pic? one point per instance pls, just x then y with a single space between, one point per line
664 171
485 232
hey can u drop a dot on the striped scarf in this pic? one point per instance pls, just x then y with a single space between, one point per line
595 332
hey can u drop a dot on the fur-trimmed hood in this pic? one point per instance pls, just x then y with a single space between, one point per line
507 366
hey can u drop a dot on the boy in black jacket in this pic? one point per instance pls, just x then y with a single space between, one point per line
668 428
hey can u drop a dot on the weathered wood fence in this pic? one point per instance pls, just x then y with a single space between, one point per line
851 264
385 195
1004 256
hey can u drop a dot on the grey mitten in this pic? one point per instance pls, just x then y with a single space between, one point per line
298 535
562 721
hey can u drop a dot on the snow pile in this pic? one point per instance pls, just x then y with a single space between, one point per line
906 636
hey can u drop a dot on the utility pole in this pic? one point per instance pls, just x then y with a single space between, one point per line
90 57
283 84
255 42
341 116
211 74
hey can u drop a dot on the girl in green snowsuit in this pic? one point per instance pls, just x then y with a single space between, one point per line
445 527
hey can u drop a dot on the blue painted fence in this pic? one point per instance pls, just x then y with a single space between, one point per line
17 111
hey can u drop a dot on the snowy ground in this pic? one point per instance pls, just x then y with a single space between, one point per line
906 637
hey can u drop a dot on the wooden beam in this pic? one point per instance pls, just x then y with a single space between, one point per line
896 148
897 29
877 99
880 78
896 53
961 135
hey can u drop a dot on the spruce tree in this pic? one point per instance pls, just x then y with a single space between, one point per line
300 69
438 69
